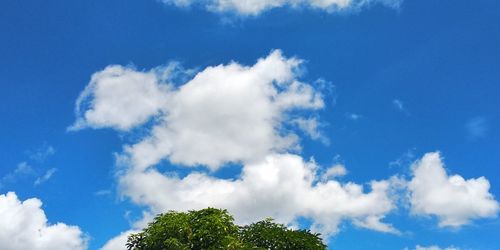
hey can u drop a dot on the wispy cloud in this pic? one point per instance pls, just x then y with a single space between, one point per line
102 192
400 106
29 168
22 169
41 153
257 7
45 177
353 116
434 247
311 126
404 160
477 127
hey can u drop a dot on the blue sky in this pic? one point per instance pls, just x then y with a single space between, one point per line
388 91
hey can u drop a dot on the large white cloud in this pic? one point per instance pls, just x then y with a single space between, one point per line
454 200
226 113
23 225
247 115
256 7
282 186
121 98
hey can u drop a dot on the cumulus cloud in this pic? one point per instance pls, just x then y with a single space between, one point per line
119 97
23 225
226 113
454 200
256 7
282 186
118 242
249 115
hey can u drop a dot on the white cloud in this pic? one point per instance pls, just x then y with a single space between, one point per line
226 113
23 225
477 127
310 126
282 186
103 192
118 242
399 105
454 200
335 171
45 177
353 116
245 114
418 247
121 98
22 169
26 169
404 160
42 153
256 7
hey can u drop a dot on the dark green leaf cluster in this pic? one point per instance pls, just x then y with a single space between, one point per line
269 235
213 229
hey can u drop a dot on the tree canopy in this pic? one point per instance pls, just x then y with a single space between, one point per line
211 228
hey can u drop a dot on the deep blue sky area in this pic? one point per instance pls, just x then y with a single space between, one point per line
439 59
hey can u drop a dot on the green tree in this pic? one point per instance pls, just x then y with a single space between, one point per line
269 235
212 229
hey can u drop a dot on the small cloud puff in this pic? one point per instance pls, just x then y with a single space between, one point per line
454 200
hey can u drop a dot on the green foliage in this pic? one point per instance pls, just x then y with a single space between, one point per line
213 229
167 231
269 235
